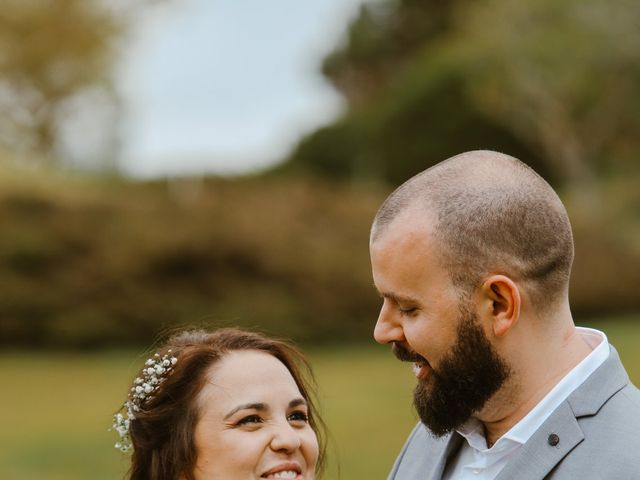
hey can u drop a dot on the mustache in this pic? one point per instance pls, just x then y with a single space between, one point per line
404 354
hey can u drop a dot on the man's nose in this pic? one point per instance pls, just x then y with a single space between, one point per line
285 438
388 329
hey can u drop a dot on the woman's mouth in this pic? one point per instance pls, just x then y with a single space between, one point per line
289 470
291 474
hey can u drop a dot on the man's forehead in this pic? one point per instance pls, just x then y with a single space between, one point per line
412 225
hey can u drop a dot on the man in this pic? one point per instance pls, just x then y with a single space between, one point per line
472 259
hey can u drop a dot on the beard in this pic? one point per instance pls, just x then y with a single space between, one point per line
467 377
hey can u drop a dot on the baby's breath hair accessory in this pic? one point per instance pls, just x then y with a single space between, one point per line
153 374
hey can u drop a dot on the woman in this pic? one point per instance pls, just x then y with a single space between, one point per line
222 405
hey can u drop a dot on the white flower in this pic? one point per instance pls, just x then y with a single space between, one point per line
141 390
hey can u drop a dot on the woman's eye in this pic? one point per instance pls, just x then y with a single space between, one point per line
408 311
249 419
298 417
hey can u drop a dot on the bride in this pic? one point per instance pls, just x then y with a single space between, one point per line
221 405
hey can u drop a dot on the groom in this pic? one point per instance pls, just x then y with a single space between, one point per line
472 259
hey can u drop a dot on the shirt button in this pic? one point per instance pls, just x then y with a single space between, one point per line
476 471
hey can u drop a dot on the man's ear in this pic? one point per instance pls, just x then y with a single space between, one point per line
502 297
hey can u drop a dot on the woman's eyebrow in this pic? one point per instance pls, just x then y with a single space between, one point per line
247 406
296 402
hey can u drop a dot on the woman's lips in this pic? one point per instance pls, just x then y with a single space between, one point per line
289 470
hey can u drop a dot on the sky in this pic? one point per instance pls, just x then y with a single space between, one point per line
227 86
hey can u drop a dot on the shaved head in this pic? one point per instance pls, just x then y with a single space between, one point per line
491 213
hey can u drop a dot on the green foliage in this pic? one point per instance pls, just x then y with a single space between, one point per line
552 82
423 119
408 105
568 85
56 61
384 37
88 262
332 152
50 52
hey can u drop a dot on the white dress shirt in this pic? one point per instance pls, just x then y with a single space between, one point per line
475 461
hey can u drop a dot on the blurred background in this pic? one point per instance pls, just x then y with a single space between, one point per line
166 163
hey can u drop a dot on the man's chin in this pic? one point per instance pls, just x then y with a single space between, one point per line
438 427
438 414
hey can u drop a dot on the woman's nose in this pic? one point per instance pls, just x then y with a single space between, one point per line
285 438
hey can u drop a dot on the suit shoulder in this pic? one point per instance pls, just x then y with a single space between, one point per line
624 405
616 425
631 394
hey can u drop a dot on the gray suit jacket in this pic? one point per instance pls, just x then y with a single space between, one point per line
598 427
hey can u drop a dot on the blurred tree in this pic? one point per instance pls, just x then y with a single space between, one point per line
56 59
406 103
383 37
563 75
553 82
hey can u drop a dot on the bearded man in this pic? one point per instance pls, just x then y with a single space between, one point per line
472 259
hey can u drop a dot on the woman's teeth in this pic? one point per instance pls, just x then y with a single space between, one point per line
284 474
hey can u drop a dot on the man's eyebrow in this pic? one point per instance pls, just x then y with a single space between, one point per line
397 298
247 406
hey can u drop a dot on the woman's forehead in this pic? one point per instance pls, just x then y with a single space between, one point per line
249 376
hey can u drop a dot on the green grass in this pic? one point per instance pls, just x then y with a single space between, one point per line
55 408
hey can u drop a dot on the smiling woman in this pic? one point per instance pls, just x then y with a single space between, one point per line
227 404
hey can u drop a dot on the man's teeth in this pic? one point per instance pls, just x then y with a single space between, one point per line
420 369
284 474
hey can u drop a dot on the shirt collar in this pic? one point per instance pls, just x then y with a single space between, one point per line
473 430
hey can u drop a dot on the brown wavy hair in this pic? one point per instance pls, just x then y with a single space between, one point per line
162 433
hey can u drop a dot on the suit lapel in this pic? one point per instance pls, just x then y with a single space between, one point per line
538 457
424 456
435 468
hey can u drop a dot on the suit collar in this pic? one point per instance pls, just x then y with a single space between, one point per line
539 456
601 385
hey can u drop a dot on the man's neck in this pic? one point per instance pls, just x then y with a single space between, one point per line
534 377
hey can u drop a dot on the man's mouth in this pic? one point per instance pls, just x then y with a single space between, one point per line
421 366
421 370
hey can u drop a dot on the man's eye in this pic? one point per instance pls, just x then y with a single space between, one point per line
298 416
249 419
408 311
